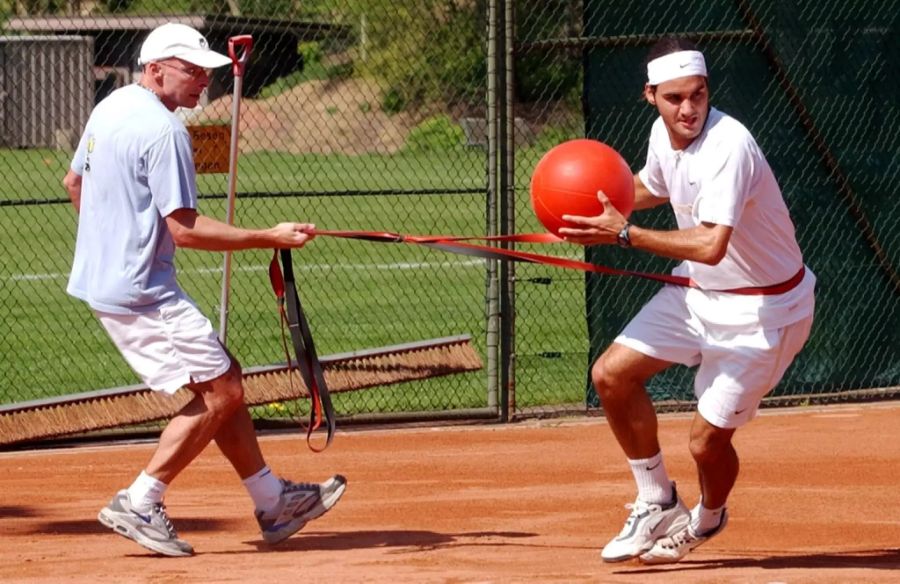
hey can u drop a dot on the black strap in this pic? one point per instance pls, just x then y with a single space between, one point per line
305 350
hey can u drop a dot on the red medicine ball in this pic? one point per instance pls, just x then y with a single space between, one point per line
567 178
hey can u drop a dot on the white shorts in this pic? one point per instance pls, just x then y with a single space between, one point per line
736 367
170 347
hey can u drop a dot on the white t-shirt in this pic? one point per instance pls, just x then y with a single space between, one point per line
723 178
136 163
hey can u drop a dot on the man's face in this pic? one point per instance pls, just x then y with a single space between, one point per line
182 83
683 104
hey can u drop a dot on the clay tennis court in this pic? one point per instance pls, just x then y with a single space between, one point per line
817 501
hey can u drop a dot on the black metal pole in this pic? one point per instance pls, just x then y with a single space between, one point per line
507 307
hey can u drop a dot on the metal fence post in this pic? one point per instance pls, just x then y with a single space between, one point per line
492 291
506 168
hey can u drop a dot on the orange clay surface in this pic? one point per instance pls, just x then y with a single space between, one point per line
818 500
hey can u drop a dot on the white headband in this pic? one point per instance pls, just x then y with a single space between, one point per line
675 65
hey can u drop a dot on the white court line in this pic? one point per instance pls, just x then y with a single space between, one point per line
265 268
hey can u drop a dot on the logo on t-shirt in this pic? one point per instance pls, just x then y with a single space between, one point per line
87 158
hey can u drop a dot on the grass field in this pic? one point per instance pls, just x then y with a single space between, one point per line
357 294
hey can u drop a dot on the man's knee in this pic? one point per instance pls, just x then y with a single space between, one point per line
602 377
226 392
622 370
611 378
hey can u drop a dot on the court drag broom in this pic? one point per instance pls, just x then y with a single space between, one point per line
109 408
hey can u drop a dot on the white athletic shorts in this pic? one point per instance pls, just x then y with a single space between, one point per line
736 368
170 347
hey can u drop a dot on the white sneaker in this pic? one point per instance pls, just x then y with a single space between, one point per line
299 504
647 523
674 547
152 529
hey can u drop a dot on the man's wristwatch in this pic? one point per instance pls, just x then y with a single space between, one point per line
623 239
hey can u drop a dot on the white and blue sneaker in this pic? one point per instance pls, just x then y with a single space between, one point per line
299 504
151 529
647 523
672 548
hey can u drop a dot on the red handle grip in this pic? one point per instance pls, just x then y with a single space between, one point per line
239 61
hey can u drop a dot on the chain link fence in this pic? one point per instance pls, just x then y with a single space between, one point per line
426 117
811 81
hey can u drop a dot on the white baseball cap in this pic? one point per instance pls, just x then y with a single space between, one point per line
182 42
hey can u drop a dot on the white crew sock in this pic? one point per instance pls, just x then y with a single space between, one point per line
264 488
652 480
704 520
146 491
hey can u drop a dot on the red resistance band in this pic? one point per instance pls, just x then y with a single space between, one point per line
460 245
307 361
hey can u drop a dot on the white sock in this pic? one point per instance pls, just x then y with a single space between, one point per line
146 491
264 488
652 480
704 520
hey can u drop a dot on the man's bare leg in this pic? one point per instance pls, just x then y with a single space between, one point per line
619 376
717 461
191 430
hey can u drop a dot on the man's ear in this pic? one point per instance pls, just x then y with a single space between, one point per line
152 68
649 94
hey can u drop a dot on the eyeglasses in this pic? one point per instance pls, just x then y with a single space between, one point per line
190 71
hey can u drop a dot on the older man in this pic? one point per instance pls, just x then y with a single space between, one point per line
132 181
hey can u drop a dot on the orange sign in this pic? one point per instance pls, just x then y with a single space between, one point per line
211 145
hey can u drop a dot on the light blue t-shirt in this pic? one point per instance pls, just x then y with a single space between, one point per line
136 163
